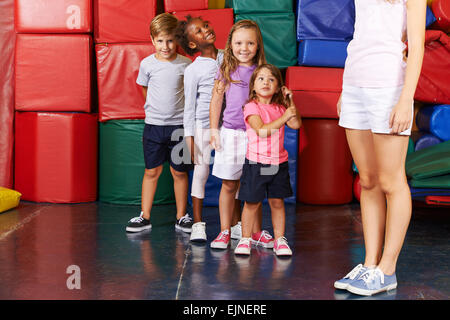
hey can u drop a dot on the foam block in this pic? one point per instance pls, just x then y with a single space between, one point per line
216 4
423 192
436 182
259 6
432 86
430 162
430 18
8 199
123 20
7 48
56 156
325 19
425 141
221 20
441 10
182 5
435 119
438 200
119 96
316 90
53 16
53 72
322 53
324 172
121 165
278 32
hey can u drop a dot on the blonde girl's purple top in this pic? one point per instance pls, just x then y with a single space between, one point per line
236 96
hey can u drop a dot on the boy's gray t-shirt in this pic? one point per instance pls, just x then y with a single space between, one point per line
164 104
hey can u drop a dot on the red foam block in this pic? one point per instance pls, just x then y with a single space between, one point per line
220 19
183 5
438 200
117 69
432 86
53 16
53 72
123 20
316 90
324 165
56 156
441 10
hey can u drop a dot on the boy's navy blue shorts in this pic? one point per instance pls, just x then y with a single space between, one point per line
165 143
259 181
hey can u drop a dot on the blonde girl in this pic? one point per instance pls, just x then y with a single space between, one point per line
244 51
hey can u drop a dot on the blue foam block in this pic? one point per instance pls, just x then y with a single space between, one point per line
322 53
325 19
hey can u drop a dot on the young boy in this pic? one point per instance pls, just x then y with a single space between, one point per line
163 72
196 35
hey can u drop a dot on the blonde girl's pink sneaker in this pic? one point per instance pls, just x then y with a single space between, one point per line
281 247
222 241
244 247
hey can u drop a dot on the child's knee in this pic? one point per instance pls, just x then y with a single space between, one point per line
153 173
178 175
230 186
276 203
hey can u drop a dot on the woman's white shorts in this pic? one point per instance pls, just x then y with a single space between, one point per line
370 108
229 160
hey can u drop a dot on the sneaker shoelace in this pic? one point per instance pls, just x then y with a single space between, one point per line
244 242
370 275
221 235
282 241
185 218
352 274
264 234
137 219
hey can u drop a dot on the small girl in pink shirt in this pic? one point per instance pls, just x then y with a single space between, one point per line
265 172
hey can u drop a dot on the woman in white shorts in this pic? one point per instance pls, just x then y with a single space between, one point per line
376 110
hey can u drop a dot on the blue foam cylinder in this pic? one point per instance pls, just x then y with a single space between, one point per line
435 119
322 53
426 140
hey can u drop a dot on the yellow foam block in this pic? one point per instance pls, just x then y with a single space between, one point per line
8 199
216 4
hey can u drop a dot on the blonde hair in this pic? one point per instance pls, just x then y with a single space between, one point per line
163 23
230 63
278 97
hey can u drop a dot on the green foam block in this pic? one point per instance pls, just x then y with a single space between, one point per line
121 165
278 31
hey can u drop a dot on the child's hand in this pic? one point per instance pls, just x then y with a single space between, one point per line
215 140
287 94
290 113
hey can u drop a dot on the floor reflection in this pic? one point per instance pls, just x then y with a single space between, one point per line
39 241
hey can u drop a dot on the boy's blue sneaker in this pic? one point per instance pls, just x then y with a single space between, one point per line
371 282
350 277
